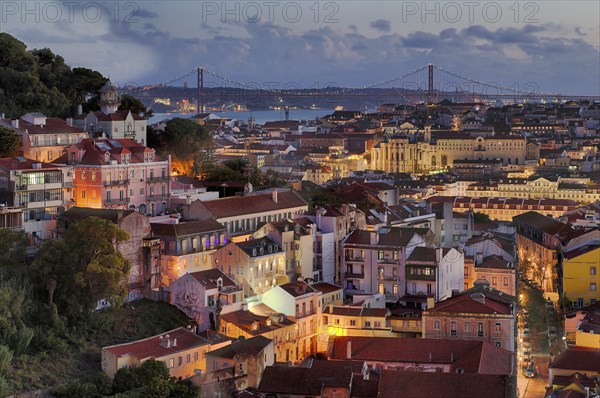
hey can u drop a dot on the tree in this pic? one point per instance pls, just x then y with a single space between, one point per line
41 81
10 143
129 103
185 140
83 267
12 251
151 379
481 217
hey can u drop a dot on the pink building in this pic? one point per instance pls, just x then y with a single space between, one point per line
119 174
480 313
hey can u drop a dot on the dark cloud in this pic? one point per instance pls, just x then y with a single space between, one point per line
382 25
266 52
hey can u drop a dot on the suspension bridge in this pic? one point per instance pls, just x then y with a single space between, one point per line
429 84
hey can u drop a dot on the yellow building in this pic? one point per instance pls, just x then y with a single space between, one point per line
581 277
182 350
353 320
266 322
439 149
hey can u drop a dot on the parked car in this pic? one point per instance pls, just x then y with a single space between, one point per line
530 371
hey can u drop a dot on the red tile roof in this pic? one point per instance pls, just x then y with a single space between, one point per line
578 358
470 355
393 383
238 205
476 303
325 287
150 347
21 163
208 278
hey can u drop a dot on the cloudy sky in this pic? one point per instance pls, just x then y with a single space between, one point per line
553 44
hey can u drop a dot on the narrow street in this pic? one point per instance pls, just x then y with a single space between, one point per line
533 324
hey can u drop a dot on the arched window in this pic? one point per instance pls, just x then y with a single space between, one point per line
433 160
444 160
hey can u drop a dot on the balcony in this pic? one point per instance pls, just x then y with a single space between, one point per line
115 183
158 179
355 258
387 277
387 260
158 196
119 201
353 275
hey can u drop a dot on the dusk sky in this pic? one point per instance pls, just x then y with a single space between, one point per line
555 44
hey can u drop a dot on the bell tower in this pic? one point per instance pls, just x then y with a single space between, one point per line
109 98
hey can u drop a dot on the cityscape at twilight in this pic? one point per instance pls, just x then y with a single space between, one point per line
278 199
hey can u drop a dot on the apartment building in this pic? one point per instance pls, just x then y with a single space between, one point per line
504 209
205 295
187 247
119 174
538 249
44 138
433 272
183 352
42 190
242 215
301 303
256 265
479 313
374 262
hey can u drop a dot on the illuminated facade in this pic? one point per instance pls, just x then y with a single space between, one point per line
439 149
119 174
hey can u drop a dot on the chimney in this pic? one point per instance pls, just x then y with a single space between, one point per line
70 121
478 258
452 357
331 308
349 349
454 292
374 238
274 194
430 302
439 253
79 110
175 342
15 123
587 392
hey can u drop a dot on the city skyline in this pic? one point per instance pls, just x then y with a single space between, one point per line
311 44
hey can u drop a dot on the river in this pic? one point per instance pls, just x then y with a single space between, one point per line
260 116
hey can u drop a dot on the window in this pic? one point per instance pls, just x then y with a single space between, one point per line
498 327
592 270
171 363
593 287
505 280
367 324
377 324
436 324
352 322
381 289
480 329
195 357
499 344
380 255
188 358
494 280
83 194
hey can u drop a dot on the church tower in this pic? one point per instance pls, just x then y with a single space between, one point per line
109 98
